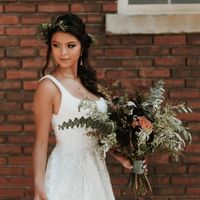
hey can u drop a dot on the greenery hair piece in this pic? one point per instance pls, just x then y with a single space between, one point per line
46 27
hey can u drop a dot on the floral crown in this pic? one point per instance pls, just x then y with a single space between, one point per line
46 27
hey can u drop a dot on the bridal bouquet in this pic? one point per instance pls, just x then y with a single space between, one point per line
138 126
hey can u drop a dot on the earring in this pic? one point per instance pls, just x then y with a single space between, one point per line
81 60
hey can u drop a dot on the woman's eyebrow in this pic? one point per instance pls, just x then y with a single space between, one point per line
65 42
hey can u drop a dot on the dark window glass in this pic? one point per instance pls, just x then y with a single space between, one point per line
185 1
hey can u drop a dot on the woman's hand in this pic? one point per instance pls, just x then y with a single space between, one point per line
126 163
145 166
40 193
122 159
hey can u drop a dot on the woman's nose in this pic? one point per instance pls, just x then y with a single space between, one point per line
64 51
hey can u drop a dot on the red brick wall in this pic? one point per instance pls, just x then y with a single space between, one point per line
130 58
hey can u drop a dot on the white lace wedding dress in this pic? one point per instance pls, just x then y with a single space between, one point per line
75 170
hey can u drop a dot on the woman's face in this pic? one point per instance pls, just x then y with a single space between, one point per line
66 49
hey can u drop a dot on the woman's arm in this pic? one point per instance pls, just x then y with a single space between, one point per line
123 160
127 162
43 108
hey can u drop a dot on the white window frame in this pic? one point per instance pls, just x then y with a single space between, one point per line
127 9
154 19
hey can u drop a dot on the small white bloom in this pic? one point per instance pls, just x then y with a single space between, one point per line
131 103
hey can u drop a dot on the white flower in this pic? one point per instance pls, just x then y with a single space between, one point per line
131 103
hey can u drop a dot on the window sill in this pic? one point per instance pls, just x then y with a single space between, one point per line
152 24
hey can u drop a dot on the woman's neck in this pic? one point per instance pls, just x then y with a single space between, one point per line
66 73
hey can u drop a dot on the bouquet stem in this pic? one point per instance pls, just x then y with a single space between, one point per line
138 179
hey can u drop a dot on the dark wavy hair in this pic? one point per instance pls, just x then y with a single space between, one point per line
76 27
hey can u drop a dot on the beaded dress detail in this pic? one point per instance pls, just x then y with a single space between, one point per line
75 170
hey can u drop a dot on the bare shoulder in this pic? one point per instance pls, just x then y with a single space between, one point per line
46 89
46 86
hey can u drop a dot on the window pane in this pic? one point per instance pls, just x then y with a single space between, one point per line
148 2
185 1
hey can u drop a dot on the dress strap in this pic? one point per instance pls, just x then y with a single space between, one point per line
54 80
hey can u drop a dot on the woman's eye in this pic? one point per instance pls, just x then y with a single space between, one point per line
71 45
56 45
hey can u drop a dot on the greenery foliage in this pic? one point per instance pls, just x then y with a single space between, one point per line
136 127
